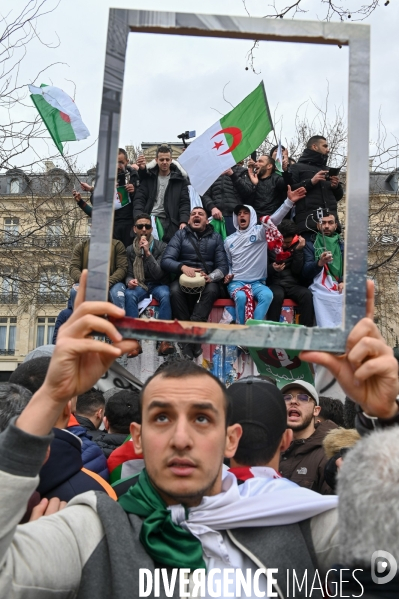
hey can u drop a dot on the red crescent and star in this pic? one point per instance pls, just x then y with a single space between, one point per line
236 134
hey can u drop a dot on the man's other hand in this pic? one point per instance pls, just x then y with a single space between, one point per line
87 187
190 272
141 162
228 172
301 243
182 225
130 188
325 258
340 287
47 507
368 371
296 195
320 176
278 267
133 283
228 278
216 213
76 195
334 181
79 360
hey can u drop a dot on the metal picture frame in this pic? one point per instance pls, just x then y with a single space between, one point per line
357 37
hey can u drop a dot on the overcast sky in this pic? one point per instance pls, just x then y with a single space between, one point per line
175 83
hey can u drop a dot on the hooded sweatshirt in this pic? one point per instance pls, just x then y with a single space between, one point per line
247 249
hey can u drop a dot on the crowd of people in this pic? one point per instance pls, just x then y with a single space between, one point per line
257 236
290 492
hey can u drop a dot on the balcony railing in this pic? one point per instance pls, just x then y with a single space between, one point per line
8 298
7 352
41 241
51 297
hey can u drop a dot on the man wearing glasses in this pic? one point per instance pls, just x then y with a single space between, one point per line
145 277
304 460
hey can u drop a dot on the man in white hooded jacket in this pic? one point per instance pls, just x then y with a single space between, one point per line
246 252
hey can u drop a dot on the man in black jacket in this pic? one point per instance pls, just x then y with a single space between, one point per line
322 191
222 197
196 248
145 277
121 409
264 189
163 193
284 276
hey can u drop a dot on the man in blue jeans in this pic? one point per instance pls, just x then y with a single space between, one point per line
117 270
246 252
145 276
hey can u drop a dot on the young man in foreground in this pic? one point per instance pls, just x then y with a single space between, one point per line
93 548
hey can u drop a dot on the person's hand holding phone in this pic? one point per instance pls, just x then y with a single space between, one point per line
325 258
320 176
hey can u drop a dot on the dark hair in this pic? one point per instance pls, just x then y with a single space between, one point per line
13 400
315 140
332 409
163 149
121 409
142 215
31 374
122 151
255 447
178 369
273 163
88 403
287 228
274 148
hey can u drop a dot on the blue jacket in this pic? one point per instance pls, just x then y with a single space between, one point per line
61 476
92 456
310 267
180 251
61 318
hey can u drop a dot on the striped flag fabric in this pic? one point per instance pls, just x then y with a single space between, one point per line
228 141
59 113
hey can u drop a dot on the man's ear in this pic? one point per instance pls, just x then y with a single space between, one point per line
316 410
286 439
106 423
233 436
135 431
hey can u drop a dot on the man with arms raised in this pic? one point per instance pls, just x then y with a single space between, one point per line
94 548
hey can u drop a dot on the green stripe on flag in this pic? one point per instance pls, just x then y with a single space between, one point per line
59 129
250 123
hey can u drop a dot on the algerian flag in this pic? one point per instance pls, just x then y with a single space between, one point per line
228 141
279 158
59 113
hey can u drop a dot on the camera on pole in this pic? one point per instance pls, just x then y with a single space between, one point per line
186 135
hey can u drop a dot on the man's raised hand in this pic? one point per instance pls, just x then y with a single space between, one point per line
296 195
78 361
368 371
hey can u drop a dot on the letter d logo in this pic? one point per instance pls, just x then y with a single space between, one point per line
383 562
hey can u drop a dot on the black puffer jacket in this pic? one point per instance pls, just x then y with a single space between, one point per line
176 202
321 195
223 194
293 267
180 251
152 265
265 197
107 442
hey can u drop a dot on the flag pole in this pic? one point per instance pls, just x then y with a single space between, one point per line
71 169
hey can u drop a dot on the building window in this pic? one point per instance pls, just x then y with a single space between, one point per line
54 233
52 288
11 229
57 186
45 330
8 331
15 186
8 288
